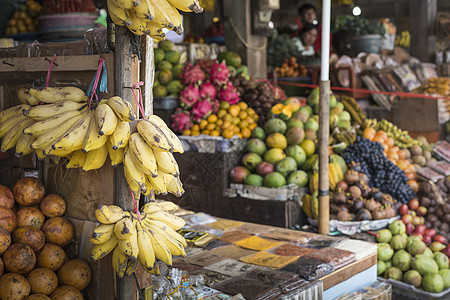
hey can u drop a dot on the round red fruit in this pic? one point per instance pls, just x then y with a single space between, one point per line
407 219
440 239
413 204
416 221
403 210
430 232
421 211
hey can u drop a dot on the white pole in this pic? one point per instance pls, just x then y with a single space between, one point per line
324 121
325 51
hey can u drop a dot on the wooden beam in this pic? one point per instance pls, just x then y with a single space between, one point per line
147 74
123 82
40 64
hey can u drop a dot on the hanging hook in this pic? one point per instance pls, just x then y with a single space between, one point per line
51 61
7 63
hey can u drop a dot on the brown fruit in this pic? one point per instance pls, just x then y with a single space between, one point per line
65 293
6 197
53 206
76 273
19 258
28 191
31 236
51 257
2 267
38 297
58 231
14 287
5 240
42 281
8 219
30 216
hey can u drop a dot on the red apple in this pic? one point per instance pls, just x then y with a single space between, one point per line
422 229
407 219
421 211
409 228
416 221
413 204
430 232
427 239
440 239
403 210
418 234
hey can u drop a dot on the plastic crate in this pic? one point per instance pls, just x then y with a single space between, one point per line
401 290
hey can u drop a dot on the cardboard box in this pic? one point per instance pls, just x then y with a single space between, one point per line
83 191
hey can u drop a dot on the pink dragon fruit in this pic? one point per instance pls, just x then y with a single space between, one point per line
181 120
219 74
201 110
208 91
192 75
189 96
229 94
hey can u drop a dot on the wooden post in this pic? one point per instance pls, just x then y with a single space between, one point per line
324 125
421 17
123 83
147 74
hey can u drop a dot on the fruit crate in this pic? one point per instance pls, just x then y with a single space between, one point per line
401 290
211 144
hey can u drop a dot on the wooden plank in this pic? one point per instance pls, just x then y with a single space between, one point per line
348 271
147 74
40 64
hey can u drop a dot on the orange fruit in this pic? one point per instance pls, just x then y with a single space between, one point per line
195 128
411 175
243 105
221 113
212 118
243 115
390 142
381 134
255 117
252 126
228 118
240 135
195 133
410 168
211 126
187 132
392 155
379 140
246 133
395 148
203 124
237 129
205 132
243 124
385 146
414 185
219 123
402 164
249 120
226 124
369 133
214 133
234 110
250 111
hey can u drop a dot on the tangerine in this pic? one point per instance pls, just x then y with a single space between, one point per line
381 134
205 132
203 124
221 113
414 185
252 126
243 105
401 154
390 142
250 111
234 110
195 128
243 115
195 133
214 133
212 118
369 133
211 126
187 132
224 105
246 132
219 123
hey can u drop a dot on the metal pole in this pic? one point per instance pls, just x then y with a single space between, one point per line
324 120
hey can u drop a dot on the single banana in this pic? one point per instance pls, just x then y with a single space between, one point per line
166 9
158 137
187 5
161 19
146 254
132 266
12 137
155 30
167 230
73 140
122 108
143 154
93 140
144 11
119 262
95 159
106 119
133 175
173 185
99 251
158 183
157 206
125 4
175 17
162 252
118 15
174 222
109 214
54 134
149 188
42 112
166 162
120 137
124 228
102 233
175 247
129 247
58 152
26 98
11 123
116 156
137 25
77 160
178 147
56 94
13 111
23 146
133 185
41 127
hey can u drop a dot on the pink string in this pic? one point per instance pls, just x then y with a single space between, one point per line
47 82
139 100
97 78
135 204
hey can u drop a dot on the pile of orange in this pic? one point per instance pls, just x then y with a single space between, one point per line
393 153
237 119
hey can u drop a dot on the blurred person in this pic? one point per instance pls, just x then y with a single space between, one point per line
306 39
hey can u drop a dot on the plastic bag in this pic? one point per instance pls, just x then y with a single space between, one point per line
285 281
292 250
335 257
251 289
309 268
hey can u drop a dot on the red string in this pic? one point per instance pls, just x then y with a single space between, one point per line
139 100
135 205
47 82
97 78
411 95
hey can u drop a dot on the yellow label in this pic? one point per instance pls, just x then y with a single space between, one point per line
256 243
267 259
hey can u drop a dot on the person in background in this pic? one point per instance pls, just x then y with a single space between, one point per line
306 39
307 15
